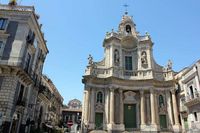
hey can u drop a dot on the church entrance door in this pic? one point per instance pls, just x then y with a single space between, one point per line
163 122
99 121
130 120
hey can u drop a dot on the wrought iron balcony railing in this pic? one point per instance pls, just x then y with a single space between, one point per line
192 99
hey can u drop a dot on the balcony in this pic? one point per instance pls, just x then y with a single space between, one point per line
45 91
183 108
193 99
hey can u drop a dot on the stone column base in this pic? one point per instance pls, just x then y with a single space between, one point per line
177 128
91 126
115 127
152 127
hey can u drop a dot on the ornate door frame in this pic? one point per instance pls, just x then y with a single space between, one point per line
131 98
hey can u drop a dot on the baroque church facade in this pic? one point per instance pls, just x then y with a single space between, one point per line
128 90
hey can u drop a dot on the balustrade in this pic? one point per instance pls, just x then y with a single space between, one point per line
192 99
106 72
17 8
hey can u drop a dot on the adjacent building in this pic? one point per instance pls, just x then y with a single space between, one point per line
128 90
72 113
189 97
49 105
22 54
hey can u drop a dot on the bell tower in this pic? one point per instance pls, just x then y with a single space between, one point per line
127 26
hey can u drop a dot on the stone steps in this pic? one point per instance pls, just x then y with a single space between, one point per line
146 132
98 131
101 131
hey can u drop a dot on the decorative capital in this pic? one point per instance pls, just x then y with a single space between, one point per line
120 91
173 91
87 88
112 89
147 95
152 90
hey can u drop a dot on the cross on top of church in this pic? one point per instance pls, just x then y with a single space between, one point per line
126 8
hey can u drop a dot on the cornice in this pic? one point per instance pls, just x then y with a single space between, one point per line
16 71
113 81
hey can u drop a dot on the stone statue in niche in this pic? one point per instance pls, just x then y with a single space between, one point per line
116 57
144 58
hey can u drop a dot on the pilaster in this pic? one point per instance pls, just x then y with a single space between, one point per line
176 125
112 106
121 107
153 126
87 92
142 107
92 109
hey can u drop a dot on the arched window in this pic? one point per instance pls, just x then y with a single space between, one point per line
161 101
99 97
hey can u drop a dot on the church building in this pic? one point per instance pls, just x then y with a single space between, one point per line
127 90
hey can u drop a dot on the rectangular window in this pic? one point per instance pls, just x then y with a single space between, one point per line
128 63
191 92
31 37
1 45
3 22
27 62
21 93
195 116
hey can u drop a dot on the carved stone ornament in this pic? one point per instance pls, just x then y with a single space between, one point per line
90 60
99 107
162 109
169 65
130 97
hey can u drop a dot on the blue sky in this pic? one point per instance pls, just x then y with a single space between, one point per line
76 28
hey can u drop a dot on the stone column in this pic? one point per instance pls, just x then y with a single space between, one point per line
175 110
107 106
153 110
83 107
121 107
112 106
92 105
87 97
148 116
142 107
